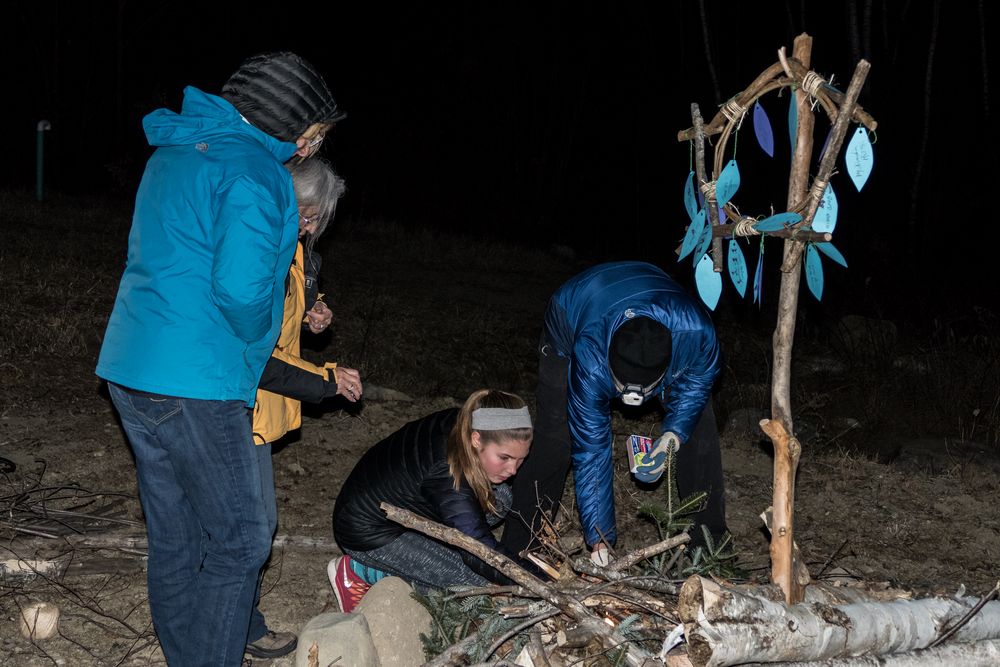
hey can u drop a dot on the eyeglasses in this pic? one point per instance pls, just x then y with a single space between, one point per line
314 144
311 220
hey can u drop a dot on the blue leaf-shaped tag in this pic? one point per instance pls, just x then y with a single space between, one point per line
826 143
694 233
793 117
702 247
737 268
830 251
859 158
762 128
814 272
777 221
708 281
758 276
825 219
690 201
728 183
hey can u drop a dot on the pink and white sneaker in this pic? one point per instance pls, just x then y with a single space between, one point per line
347 585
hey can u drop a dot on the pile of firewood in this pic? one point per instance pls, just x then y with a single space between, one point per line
623 615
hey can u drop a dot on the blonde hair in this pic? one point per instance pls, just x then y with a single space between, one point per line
463 459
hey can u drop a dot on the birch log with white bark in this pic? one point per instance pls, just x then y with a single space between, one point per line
727 627
980 654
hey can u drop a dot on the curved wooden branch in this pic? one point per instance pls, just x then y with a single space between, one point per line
771 79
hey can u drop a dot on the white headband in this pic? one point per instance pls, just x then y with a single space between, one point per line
500 419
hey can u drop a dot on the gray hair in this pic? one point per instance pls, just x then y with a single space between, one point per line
318 186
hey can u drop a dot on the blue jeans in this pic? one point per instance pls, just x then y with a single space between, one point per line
258 627
207 521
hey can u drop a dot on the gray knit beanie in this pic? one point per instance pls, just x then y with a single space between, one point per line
281 94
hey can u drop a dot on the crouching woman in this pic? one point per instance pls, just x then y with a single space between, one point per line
451 467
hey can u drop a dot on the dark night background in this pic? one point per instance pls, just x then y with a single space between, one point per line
552 123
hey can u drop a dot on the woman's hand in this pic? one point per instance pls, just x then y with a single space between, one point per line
349 384
320 317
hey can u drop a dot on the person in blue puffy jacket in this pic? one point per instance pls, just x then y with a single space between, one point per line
197 315
626 331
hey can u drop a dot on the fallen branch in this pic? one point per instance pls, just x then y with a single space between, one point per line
570 606
633 557
650 583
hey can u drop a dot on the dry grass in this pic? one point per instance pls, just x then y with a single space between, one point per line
441 314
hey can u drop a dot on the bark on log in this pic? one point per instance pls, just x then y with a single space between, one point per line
727 627
571 607
979 654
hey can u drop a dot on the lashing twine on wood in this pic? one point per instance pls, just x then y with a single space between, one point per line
734 112
811 83
745 227
817 189
708 189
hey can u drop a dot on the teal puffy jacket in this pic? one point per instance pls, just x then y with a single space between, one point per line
215 225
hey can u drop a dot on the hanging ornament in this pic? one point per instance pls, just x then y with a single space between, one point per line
727 184
737 267
777 221
814 272
708 281
690 201
762 128
793 117
830 251
825 219
693 235
758 276
859 158
706 240
826 142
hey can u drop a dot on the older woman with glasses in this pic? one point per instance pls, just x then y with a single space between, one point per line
288 379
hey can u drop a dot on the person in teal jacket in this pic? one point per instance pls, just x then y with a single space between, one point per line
197 315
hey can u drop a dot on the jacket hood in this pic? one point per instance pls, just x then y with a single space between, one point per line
205 117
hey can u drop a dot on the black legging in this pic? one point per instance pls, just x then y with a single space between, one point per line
540 482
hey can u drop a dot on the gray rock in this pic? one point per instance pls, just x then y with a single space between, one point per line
396 621
336 635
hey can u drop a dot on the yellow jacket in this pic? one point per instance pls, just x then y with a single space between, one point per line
275 414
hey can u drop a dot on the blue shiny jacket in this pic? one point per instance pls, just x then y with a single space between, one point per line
581 318
199 305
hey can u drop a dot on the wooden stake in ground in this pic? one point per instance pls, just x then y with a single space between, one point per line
805 199
785 570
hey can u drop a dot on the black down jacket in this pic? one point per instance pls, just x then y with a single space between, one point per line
409 469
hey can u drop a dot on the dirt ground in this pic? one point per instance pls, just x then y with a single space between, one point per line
427 319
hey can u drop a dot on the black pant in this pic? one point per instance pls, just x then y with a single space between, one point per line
540 482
